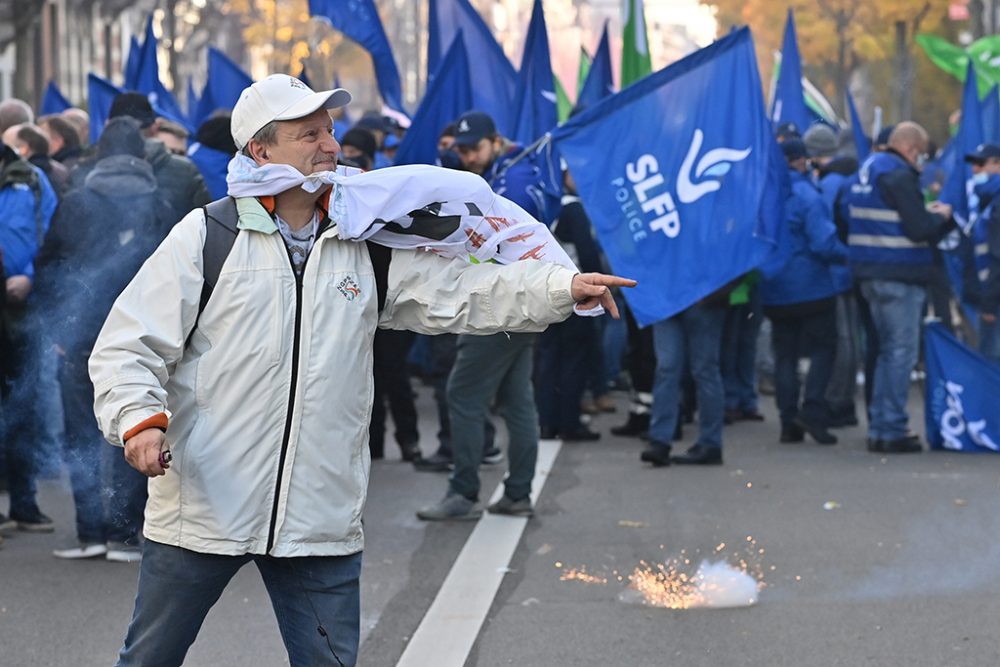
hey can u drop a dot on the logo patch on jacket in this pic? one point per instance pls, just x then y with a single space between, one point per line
349 288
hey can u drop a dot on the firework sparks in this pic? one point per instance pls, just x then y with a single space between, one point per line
676 584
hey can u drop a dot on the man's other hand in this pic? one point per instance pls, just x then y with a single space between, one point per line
142 451
592 289
18 289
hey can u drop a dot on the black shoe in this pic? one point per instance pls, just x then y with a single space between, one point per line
634 427
819 433
437 462
658 454
792 432
699 455
678 431
909 444
842 421
875 445
581 434
33 522
492 455
410 452
749 416
547 433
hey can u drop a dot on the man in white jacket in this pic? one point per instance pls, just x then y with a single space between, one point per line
251 415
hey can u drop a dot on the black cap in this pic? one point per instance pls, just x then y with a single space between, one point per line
788 131
362 139
217 133
121 136
794 149
983 153
883 136
473 126
135 105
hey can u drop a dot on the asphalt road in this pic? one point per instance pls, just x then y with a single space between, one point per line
867 560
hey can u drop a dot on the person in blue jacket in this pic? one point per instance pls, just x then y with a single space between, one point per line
800 300
27 201
986 247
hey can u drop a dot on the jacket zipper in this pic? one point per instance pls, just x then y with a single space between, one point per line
291 392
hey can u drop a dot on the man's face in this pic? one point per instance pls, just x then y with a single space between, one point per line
174 144
445 142
56 142
306 144
478 158
992 166
10 138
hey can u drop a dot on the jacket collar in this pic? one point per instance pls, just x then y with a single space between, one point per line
257 213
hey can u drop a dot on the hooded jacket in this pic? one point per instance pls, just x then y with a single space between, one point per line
270 400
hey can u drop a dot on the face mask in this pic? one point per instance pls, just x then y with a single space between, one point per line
921 160
980 178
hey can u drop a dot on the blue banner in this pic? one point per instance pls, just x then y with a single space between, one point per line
961 400
143 75
100 94
53 101
862 144
535 101
789 103
970 134
359 20
226 80
600 81
495 77
132 63
448 96
684 185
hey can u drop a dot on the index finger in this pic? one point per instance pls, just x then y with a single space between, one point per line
611 281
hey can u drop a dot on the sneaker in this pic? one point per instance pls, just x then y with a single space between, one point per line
6 523
492 456
81 550
510 507
35 522
453 507
119 552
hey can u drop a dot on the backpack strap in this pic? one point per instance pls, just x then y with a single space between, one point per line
221 217
381 256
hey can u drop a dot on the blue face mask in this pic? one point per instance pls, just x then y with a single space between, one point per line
980 178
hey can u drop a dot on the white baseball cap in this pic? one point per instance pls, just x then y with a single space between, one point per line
279 97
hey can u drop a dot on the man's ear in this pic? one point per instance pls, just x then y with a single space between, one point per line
258 151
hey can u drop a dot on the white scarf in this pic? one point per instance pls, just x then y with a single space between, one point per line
448 212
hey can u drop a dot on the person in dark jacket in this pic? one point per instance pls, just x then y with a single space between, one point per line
800 301
211 152
100 236
64 142
178 180
986 247
563 348
33 145
891 237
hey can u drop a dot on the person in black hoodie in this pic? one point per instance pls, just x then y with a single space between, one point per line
100 236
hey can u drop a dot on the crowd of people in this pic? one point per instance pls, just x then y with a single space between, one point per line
86 228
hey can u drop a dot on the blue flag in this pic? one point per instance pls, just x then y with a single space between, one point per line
448 96
495 77
359 20
535 101
970 134
132 63
226 80
53 101
192 100
303 76
146 80
789 103
684 187
961 400
990 112
862 143
100 94
600 81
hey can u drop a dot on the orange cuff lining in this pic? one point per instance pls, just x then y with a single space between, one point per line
159 420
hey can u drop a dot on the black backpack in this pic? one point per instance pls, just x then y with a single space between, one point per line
221 217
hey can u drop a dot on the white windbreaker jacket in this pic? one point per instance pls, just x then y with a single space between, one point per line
269 403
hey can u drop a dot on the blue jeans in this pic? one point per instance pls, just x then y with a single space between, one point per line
698 332
178 587
895 310
488 367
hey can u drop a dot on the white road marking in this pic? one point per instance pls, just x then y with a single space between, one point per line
451 625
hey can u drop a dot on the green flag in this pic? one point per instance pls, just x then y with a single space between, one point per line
635 47
563 105
954 59
581 74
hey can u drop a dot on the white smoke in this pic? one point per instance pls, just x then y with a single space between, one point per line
721 585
